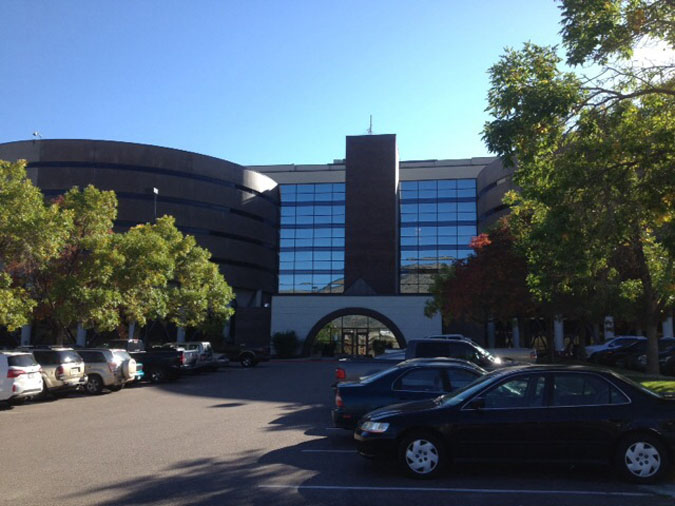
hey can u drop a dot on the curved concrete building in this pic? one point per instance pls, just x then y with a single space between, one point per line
231 210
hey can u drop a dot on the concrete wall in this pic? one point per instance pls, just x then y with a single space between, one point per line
491 185
301 312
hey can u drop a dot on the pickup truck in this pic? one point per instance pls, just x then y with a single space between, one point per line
159 363
351 369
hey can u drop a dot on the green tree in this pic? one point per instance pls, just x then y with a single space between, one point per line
595 215
77 285
31 234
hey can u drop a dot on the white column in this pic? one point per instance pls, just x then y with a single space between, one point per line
180 336
25 335
515 332
491 333
559 333
668 327
81 338
609 327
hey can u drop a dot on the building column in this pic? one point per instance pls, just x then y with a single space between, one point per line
81 338
558 333
25 335
515 333
132 329
180 335
668 327
491 333
609 327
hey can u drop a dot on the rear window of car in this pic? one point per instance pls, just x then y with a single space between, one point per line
122 355
68 357
46 357
21 360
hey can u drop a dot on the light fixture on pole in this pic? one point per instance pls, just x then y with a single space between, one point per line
155 192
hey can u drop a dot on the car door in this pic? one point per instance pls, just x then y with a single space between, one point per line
587 413
503 422
419 383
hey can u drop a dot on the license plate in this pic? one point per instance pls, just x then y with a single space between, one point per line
75 370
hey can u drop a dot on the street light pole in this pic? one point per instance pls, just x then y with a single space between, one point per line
155 192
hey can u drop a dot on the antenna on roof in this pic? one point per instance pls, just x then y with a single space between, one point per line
370 128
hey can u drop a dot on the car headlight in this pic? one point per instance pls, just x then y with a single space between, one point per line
375 427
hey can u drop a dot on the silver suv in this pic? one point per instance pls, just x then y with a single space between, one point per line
105 368
62 369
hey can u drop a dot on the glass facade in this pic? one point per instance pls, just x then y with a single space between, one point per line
312 238
438 220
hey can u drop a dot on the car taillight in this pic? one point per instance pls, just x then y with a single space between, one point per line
112 366
182 358
15 373
338 400
340 373
59 371
533 355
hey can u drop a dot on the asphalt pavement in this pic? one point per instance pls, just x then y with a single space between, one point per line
250 436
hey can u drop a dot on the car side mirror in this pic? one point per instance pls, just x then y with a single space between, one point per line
478 403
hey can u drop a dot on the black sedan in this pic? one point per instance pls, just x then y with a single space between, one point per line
415 379
532 413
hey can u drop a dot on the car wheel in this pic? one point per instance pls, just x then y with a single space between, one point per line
641 458
115 388
157 375
421 455
94 385
247 360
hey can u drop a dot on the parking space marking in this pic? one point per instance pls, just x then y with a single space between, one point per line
459 490
328 451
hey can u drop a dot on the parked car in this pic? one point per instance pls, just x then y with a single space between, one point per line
416 379
205 358
532 413
351 369
187 358
106 368
629 355
158 364
62 369
247 356
20 377
612 344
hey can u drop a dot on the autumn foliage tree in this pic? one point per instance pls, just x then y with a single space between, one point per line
490 284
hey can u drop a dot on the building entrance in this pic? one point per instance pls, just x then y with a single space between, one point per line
355 335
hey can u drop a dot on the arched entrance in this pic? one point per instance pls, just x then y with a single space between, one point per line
354 331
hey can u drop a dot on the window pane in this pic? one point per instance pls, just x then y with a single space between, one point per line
421 380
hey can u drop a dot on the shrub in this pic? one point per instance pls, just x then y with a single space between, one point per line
285 343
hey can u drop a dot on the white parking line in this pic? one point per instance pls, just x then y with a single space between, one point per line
328 451
459 490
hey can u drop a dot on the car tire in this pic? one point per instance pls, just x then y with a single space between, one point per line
17 401
116 388
641 458
94 385
157 375
247 360
422 455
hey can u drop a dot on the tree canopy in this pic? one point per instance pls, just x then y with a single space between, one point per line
595 159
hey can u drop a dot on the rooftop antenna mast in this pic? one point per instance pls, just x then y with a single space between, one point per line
370 128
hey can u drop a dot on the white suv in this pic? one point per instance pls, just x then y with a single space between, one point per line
20 376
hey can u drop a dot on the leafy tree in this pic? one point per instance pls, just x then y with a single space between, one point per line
77 286
31 234
595 215
487 285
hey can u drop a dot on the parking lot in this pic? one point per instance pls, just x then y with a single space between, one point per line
249 436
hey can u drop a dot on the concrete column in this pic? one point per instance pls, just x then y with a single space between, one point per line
668 327
180 335
609 327
25 335
81 338
515 333
132 329
559 333
491 333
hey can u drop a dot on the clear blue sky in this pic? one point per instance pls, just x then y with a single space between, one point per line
260 81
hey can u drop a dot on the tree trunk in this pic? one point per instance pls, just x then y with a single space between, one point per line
60 336
652 349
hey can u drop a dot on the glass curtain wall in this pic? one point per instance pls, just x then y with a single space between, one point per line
438 220
312 238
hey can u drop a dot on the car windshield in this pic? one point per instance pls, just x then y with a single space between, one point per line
485 354
377 375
